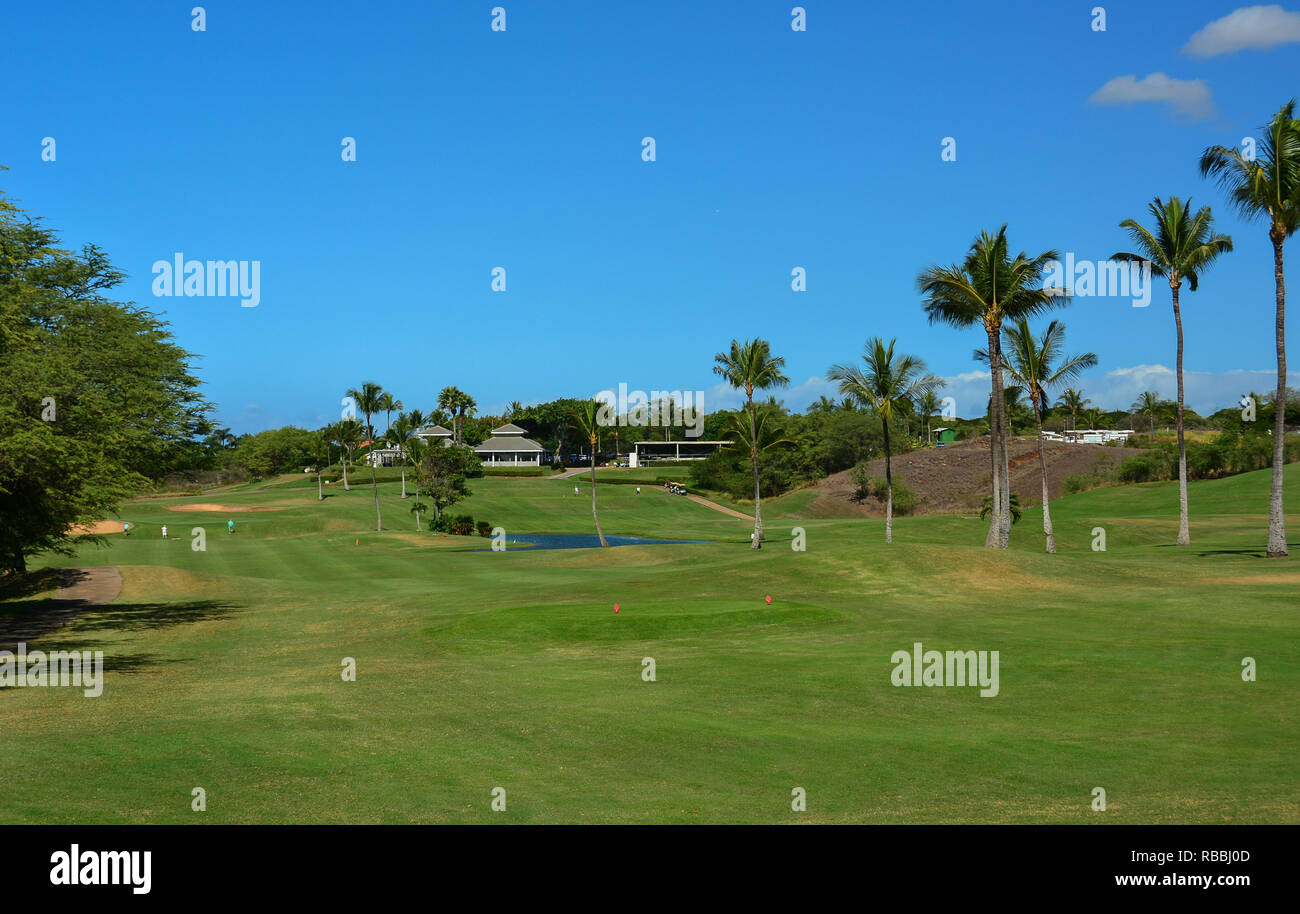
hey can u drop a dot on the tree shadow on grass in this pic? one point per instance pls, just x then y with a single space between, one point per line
1258 552
35 619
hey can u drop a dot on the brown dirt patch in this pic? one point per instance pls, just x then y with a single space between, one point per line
99 527
957 477
221 509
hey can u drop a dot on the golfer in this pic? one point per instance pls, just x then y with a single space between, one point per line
164 531
126 529
230 526
575 490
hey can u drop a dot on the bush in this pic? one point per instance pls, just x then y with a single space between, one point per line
461 525
905 498
1082 482
439 524
1152 466
484 528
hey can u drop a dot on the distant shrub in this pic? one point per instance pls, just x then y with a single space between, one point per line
439 524
877 487
1082 482
461 525
1153 466
484 528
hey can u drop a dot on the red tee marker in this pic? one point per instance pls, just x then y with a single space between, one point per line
357 543
769 600
615 607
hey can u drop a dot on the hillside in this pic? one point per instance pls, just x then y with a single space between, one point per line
955 478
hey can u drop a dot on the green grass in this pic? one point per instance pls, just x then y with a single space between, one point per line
477 669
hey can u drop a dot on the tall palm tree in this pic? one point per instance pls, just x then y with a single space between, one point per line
449 399
1182 245
1268 185
884 383
750 366
348 434
369 399
389 405
987 288
1073 400
400 434
416 449
1150 405
1038 365
589 421
760 429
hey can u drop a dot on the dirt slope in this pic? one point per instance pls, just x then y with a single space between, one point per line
957 477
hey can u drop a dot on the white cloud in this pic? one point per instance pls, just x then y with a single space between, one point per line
1255 27
1190 97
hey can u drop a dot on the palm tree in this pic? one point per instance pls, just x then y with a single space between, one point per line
990 287
1149 404
415 452
589 420
1094 418
1182 245
388 405
750 366
928 406
1073 400
760 429
1268 185
348 434
449 399
369 399
1038 365
884 383
399 435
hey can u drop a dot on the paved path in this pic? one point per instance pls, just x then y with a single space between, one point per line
701 500
80 591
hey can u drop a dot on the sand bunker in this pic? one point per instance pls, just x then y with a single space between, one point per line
219 508
99 526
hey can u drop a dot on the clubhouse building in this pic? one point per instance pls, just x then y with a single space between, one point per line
509 446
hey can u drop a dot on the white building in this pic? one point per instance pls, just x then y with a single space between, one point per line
510 446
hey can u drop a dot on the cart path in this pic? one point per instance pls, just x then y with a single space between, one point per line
80 591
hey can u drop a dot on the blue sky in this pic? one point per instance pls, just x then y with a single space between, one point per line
522 149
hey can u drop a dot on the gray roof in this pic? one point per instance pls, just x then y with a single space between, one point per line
509 429
496 445
433 431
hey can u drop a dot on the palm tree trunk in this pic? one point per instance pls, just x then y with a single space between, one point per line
753 455
346 487
1004 533
1276 519
379 518
889 488
403 481
1042 465
994 538
320 492
594 515
1184 528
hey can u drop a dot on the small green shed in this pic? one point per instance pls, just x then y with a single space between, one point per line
944 435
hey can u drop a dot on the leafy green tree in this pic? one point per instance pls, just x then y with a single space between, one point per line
988 288
444 471
750 366
1267 185
1183 245
884 382
96 398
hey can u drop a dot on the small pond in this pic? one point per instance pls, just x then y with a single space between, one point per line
534 541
